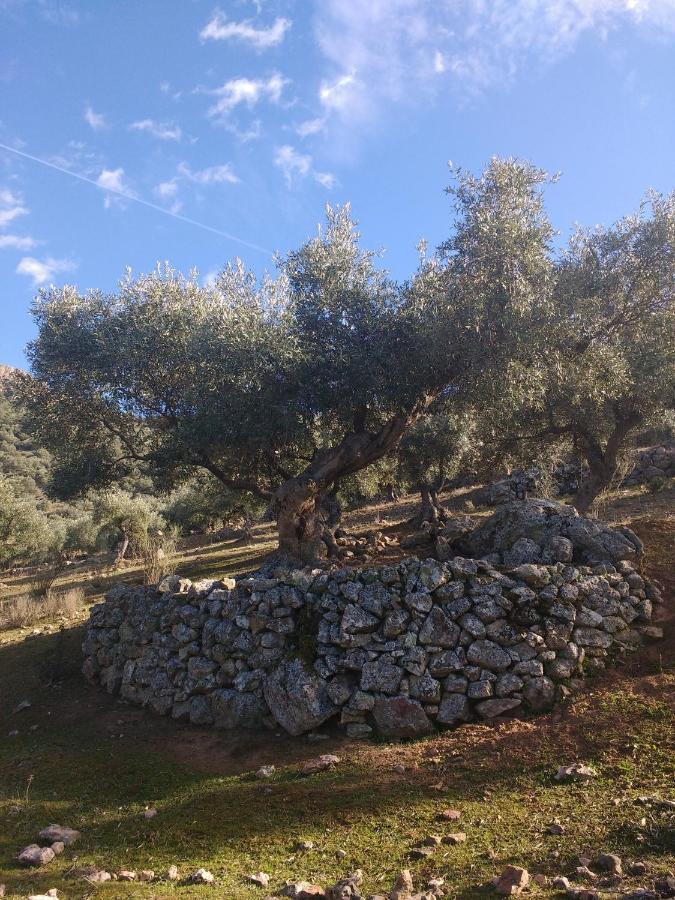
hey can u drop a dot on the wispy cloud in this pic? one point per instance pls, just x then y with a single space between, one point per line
220 28
16 242
43 271
247 91
379 51
211 175
139 200
337 94
11 207
96 121
310 126
296 166
114 184
163 131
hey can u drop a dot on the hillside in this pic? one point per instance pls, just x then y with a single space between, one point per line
21 460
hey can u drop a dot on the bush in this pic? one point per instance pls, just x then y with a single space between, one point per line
27 609
26 534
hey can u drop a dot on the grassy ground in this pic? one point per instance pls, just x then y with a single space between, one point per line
90 761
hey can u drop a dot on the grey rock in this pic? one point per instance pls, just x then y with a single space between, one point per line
489 709
438 629
454 708
233 709
297 698
401 717
488 655
357 621
381 675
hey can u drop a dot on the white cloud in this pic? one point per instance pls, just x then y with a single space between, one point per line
325 179
310 126
167 189
338 94
248 91
42 271
95 120
219 28
163 131
11 207
112 181
297 166
398 48
16 242
212 175
168 192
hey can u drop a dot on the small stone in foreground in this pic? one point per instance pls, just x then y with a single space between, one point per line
403 886
611 863
319 764
266 771
459 837
261 879
61 833
34 855
575 772
303 890
201 876
149 813
584 872
561 883
126 875
97 876
146 875
432 840
450 815
421 852
58 847
302 846
512 881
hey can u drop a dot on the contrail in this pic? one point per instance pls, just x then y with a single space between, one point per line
166 212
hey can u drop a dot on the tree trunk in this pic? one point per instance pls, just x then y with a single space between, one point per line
430 509
300 502
387 488
603 464
590 489
121 548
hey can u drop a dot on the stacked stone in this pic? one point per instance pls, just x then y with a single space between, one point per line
398 648
654 464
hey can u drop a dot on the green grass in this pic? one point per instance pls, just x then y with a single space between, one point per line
95 763
73 769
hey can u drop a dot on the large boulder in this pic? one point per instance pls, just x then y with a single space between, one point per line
530 531
234 709
400 717
298 699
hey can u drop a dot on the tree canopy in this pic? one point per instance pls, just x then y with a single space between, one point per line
280 387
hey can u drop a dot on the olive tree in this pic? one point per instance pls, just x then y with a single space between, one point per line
429 454
606 364
280 388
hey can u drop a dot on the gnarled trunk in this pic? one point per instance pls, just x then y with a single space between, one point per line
301 502
430 509
603 464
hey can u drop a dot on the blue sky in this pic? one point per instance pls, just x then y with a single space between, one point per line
154 118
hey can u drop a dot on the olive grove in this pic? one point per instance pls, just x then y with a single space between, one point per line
279 388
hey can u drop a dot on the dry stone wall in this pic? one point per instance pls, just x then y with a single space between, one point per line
399 649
